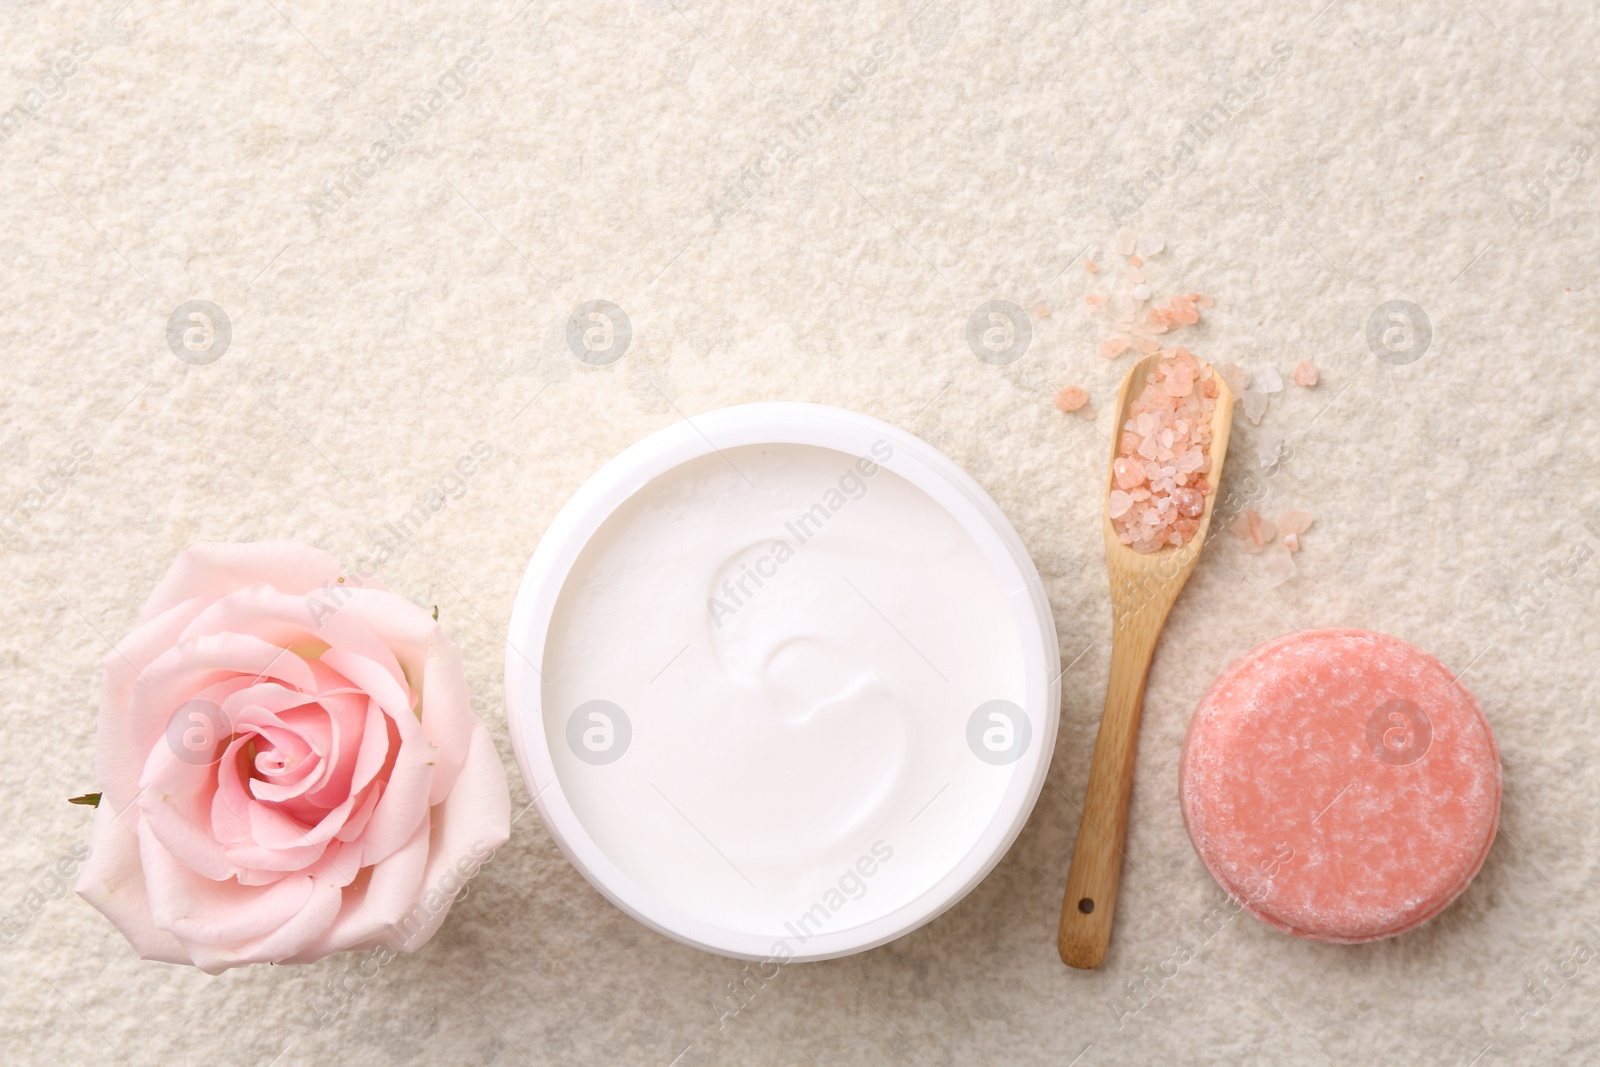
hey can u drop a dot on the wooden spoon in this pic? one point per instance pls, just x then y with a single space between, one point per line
1143 589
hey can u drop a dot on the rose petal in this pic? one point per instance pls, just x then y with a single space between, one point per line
112 880
210 570
119 755
426 652
404 802
199 911
295 623
471 823
393 889
305 926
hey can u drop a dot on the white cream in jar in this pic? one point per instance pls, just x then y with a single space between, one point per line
784 692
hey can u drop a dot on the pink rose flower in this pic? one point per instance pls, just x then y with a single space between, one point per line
289 766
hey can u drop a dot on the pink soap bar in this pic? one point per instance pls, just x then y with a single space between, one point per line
1340 784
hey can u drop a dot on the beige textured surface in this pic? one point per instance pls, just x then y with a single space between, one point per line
590 155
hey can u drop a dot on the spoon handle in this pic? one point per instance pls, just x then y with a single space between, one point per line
1091 897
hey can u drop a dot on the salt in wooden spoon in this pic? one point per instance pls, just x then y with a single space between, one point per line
1143 589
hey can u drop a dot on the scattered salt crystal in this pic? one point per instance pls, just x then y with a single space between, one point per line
1237 377
1112 347
1126 240
1147 345
1091 266
1071 398
1141 292
1267 379
1042 312
1305 374
1254 530
1295 522
1277 565
1255 406
1268 448
1291 542
1149 246
1094 300
1135 261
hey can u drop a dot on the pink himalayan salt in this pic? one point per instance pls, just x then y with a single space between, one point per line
1042 312
1094 300
1112 347
1091 266
1237 377
1277 565
1159 480
1254 530
1305 374
1294 522
1291 524
1126 241
1074 399
1255 405
1177 311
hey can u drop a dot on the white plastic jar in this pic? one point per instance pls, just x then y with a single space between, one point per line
783 682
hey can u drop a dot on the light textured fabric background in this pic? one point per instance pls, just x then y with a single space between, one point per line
391 306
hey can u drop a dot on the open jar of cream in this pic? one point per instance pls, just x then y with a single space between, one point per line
782 681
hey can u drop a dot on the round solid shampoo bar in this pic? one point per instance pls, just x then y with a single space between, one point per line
1340 784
